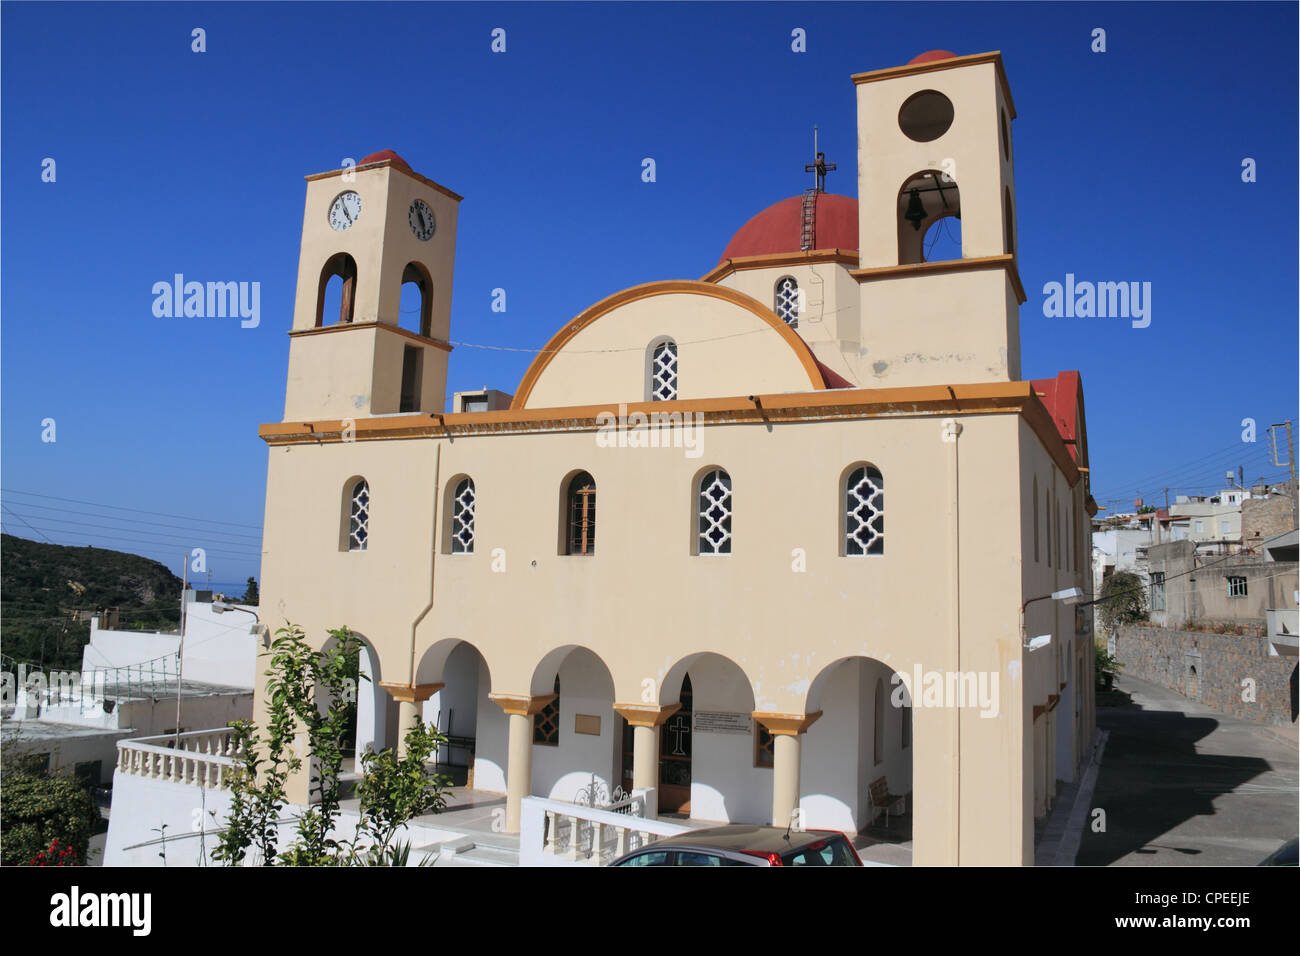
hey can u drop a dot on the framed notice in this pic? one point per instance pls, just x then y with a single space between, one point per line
723 722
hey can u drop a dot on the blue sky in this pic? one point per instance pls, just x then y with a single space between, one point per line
1128 168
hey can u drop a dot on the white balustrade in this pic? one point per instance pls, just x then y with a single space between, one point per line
556 833
201 757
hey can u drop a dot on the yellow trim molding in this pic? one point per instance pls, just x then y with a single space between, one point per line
399 169
915 69
521 705
345 326
646 715
786 725
781 260
1005 261
410 693
829 404
669 287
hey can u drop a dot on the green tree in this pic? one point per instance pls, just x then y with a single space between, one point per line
314 693
250 593
1122 601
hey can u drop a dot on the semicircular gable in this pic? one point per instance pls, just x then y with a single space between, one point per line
728 344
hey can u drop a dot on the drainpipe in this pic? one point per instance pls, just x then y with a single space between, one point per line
404 708
951 430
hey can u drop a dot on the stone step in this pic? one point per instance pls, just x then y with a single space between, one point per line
474 851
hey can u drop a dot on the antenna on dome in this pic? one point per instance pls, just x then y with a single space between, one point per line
818 166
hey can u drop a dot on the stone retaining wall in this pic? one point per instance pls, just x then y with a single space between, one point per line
1211 668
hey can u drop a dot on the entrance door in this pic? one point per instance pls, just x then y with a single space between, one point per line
675 757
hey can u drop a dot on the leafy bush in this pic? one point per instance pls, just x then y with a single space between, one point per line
1106 669
1123 601
38 810
316 691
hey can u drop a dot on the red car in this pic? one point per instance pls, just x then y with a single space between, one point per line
740 844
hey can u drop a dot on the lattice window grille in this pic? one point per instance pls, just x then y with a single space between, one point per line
715 513
462 518
546 724
787 302
359 517
664 373
865 513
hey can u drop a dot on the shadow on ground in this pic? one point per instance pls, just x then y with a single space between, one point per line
1152 783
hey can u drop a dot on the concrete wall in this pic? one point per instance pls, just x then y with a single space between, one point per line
1214 670
1196 588
219 648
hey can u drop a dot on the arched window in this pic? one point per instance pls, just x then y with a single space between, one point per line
344 267
787 301
878 728
1047 514
715 512
1009 223
663 372
580 537
864 511
359 516
415 304
462 518
1036 557
546 722
906 733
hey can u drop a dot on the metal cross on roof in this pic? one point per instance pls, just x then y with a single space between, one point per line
819 165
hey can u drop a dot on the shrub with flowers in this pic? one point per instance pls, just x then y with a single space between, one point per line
56 854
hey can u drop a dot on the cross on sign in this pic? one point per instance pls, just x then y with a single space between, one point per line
679 726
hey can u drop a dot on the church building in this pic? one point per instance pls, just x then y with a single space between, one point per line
662 562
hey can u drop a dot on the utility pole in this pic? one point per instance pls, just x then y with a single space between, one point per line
180 651
1290 456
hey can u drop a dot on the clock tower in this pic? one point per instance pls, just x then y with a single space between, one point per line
369 234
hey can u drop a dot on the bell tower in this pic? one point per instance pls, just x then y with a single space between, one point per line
934 171
372 310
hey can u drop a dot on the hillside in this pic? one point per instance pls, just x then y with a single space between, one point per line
43 585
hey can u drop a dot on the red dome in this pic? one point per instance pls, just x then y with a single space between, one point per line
382 155
779 228
929 56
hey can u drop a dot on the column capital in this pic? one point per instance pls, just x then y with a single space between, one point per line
521 705
646 715
785 725
410 693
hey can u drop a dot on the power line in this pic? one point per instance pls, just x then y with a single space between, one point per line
138 542
160 514
157 534
24 521
160 524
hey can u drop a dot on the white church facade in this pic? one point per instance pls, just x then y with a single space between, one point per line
665 562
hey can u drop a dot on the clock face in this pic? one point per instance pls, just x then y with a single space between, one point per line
421 219
345 210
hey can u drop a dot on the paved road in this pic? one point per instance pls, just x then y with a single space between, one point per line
1184 785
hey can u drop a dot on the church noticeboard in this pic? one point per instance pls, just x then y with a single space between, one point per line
722 722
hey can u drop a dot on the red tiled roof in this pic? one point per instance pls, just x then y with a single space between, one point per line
1061 397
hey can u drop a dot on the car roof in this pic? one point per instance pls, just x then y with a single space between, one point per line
740 836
